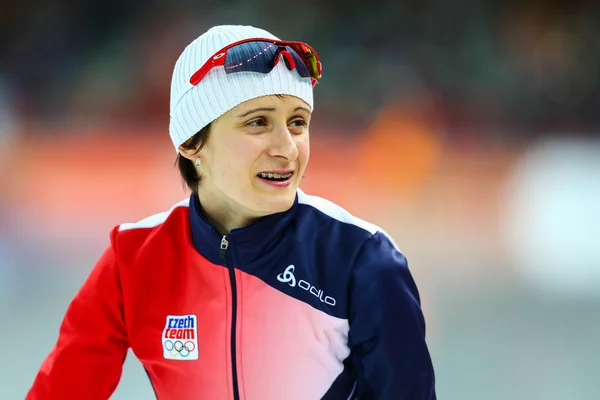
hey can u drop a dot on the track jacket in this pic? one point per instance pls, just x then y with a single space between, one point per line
311 303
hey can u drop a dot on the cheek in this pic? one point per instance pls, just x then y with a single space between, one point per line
303 145
239 159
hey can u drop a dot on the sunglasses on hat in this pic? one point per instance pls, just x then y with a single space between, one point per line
262 55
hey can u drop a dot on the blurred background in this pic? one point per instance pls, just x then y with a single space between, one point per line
468 129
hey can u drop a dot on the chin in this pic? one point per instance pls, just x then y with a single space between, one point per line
275 204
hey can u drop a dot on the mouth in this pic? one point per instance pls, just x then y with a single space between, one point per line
277 178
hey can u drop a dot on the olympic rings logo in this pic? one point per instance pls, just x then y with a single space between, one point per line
179 348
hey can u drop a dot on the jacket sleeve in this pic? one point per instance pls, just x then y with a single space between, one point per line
87 359
387 327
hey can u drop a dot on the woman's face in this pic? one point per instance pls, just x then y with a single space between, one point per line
255 157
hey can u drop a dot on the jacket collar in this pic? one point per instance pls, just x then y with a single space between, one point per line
246 245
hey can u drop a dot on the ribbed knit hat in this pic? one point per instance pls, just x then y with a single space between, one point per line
194 107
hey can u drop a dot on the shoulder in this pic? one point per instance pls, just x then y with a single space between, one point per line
128 237
154 220
374 255
325 213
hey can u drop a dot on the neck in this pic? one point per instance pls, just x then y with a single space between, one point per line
224 218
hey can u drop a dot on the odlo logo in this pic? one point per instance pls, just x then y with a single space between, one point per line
288 277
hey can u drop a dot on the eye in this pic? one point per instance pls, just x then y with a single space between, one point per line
257 123
299 123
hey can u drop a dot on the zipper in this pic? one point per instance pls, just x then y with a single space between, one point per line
223 253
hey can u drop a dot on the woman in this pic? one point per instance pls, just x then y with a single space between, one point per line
249 289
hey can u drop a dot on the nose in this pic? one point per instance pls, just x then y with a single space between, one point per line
284 144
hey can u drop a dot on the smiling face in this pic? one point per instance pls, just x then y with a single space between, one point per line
254 159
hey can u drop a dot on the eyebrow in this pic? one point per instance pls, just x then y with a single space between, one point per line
269 109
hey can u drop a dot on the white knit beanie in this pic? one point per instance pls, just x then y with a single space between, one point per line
194 107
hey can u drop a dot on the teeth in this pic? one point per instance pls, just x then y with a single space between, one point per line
275 175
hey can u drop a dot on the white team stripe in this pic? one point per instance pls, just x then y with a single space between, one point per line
338 213
153 220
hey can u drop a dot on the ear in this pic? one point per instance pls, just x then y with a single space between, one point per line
189 153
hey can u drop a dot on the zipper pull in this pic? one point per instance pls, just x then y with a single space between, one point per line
224 246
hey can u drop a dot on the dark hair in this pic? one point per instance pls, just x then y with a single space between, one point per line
186 167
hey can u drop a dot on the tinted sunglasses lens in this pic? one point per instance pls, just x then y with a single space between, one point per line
251 56
310 60
300 64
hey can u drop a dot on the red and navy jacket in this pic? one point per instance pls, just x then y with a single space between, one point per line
311 303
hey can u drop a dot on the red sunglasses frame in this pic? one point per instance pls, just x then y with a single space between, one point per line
218 59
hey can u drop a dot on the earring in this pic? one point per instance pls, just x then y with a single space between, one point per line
198 162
